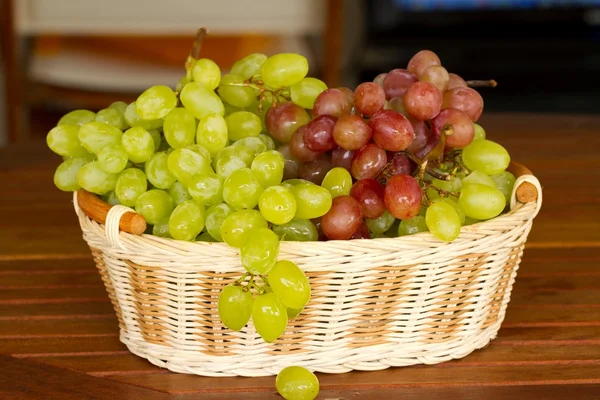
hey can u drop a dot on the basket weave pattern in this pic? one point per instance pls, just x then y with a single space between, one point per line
375 303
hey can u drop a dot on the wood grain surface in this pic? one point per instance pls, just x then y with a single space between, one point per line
59 335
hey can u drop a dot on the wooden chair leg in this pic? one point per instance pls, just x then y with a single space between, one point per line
15 107
333 37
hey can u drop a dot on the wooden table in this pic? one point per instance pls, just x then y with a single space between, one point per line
59 338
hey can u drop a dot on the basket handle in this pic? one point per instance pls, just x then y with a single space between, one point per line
527 187
98 210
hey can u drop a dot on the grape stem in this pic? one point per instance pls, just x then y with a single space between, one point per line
242 279
252 285
196 48
476 83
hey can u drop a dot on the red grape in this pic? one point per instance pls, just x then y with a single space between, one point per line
421 134
465 99
462 127
423 60
397 81
369 98
362 232
379 79
315 171
292 165
437 75
334 102
369 193
423 100
368 161
391 130
299 150
318 135
400 164
348 92
351 132
342 158
343 218
455 81
283 119
403 196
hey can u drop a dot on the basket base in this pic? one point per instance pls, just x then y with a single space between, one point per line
340 361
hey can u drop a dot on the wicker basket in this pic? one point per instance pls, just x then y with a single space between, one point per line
375 303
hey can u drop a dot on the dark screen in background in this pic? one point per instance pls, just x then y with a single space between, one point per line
545 55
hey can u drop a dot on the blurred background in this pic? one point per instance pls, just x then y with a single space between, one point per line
57 56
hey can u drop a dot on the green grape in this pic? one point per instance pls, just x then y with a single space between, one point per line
156 102
297 383
119 105
242 189
185 163
65 176
481 201
112 198
184 80
289 183
226 164
138 144
113 159
454 185
442 221
200 100
259 251
242 124
312 201
94 136
479 132
154 205
206 188
268 167
411 226
293 313
130 185
249 66
394 230
284 69
267 140
157 171
161 229
338 181
229 109
235 306
305 92
487 156
187 220
112 116
277 204
297 230
381 223
454 204
242 152
207 73
95 180
215 215
179 128
64 141
199 149
77 117
179 193
238 224
505 182
133 119
212 133
289 284
205 237
253 144
234 91
269 317
156 138
478 177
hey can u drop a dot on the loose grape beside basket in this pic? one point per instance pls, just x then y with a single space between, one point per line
376 303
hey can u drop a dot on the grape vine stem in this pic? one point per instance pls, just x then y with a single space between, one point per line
490 83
